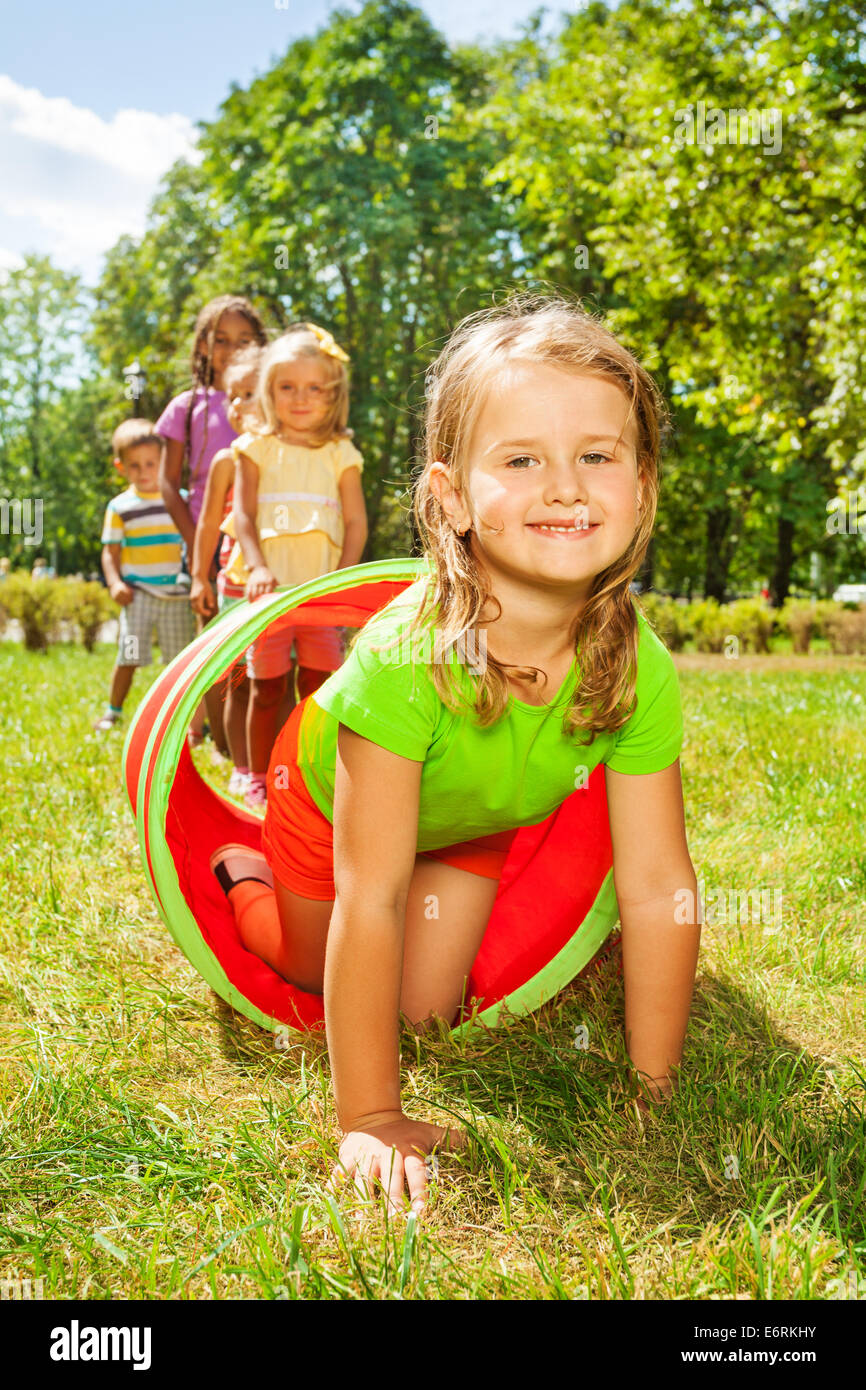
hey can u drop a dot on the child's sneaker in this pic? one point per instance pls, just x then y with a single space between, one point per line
256 794
238 782
108 721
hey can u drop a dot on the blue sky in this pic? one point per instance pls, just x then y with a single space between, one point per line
98 98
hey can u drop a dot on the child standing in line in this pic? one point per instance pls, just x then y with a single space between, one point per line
240 378
195 426
298 513
408 776
141 561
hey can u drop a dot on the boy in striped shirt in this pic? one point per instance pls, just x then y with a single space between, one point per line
141 561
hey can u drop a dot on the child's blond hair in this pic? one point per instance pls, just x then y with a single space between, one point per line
246 361
306 340
130 433
550 330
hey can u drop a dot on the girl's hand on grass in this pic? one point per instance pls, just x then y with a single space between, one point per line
201 597
392 1151
260 582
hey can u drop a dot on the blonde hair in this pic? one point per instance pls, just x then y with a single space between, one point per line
294 344
130 433
244 362
549 330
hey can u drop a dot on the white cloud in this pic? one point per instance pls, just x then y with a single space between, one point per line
71 183
139 138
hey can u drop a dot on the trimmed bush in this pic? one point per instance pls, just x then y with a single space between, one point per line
669 619
751 622
37 605
87 605
846 629
825 610
801 619
711 625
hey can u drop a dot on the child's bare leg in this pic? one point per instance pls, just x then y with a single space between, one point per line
309 680
197 722
280 927
447 912
289 699
215 702
121 681
299 953
209 708
237 700
262 719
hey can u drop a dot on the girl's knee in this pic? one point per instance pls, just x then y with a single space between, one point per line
267 693
310 679
427 1015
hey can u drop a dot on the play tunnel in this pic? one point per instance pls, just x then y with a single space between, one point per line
555 905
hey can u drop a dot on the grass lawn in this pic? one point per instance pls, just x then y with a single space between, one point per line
157 1145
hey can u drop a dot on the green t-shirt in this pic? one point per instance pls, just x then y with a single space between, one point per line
477 781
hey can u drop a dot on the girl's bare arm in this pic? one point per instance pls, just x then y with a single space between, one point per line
655 885
245 504
354 518
375 836
219 480
170 469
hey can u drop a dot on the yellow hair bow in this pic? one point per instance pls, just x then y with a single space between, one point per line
327 342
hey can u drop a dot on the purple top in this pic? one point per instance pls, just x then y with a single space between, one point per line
219 436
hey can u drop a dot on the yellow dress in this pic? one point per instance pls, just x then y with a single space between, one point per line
299 517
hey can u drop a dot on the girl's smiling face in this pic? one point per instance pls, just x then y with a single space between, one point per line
233 331
302 395
551 483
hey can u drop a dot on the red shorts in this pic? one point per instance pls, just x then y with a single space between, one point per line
298 840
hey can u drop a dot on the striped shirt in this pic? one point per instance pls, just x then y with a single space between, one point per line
150 543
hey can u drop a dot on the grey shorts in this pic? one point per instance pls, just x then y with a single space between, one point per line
174 622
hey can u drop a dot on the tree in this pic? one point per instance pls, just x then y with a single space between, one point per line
42 319
703 252
344 186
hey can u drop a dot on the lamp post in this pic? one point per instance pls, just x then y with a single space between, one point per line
135 379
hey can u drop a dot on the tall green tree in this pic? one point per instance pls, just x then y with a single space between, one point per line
702 252
42 315
148 295
344 186
384 184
